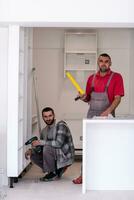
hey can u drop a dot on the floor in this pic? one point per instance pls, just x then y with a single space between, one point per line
29 187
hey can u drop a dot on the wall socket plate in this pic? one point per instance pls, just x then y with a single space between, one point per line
87 61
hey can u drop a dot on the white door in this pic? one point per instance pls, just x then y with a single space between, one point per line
19 98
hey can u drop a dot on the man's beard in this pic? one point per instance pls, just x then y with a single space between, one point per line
104 69
50 122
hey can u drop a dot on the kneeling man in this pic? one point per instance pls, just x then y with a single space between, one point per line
57 147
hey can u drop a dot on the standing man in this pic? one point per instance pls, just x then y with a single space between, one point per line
103 92
58 147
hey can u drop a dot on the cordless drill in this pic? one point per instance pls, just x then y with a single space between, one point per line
38 148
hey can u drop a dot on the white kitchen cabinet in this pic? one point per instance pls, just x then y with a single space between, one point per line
80 51
108 151
19 102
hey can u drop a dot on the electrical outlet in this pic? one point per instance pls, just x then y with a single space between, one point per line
87 61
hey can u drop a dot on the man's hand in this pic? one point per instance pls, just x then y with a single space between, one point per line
81 97
105 113
111 108
28 153
35 143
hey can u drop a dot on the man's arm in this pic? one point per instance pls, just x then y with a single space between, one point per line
112 107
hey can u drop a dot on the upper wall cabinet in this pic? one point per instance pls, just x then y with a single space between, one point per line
80 51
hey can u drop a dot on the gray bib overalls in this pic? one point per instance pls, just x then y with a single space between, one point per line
99 101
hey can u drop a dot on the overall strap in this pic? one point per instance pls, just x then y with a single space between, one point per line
108 83
92 86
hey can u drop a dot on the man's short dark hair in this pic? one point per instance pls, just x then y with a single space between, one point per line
105 55
47 109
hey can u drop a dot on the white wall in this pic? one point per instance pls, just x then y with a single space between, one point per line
56 91
103 11
3 102
53 88
48 61
116 42
131 78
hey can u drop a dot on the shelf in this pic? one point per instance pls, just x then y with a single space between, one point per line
80 41
80 53
80 68
80 33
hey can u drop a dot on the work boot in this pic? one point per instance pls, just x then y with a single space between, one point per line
49 177
61 171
